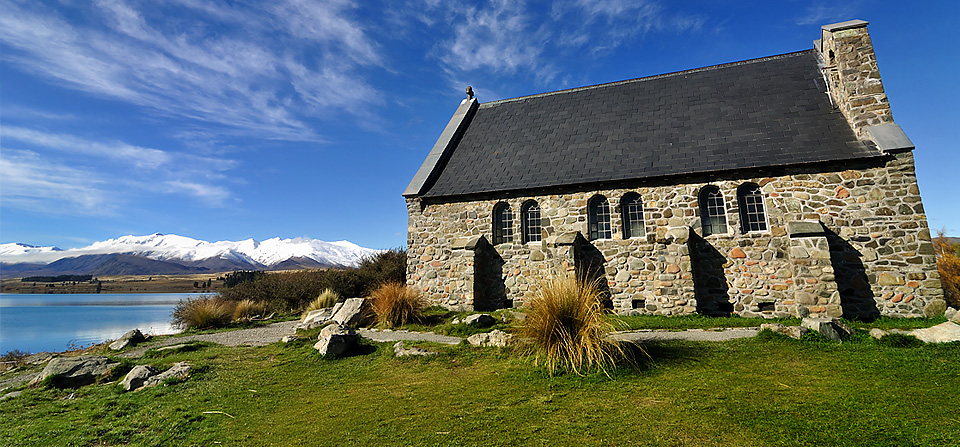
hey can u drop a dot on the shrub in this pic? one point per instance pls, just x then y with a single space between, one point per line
246 310
394 304
948 263
326 299
202 313
384 267
566 327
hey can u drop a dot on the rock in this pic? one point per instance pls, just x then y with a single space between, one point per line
336 339
131 338
72 372
480 320
878 333
179 370
790 331
174 347
11 395
495 338
955 318
137 376
950 313
317 318
351 313
935 308
39 358
400 351
289 338
828 327
942 333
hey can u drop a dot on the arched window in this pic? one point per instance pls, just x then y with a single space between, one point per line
632 209
502 223
713 216
530 221
598 218
752 216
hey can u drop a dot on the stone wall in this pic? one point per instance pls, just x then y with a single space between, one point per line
875 235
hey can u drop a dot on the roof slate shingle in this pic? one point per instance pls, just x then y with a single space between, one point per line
759 113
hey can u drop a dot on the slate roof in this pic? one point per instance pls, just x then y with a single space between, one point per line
764 112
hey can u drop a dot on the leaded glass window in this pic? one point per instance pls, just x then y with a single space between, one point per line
713 215
598 218
752 216
502 223
632 209
530 224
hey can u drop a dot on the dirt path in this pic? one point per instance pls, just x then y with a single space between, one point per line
258 336
720 334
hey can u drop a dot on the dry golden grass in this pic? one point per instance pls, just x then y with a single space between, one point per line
202 313
394 304
326 299
566 327
245 310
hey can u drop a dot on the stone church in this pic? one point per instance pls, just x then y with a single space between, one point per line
768 187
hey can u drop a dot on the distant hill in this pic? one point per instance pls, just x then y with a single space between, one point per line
160 254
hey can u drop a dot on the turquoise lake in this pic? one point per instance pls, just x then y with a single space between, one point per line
36 322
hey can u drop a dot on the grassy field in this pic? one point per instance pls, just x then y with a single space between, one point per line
120 284
765 391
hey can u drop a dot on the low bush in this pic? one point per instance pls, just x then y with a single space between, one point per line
202 313
326 299
566 327
394 304
246 310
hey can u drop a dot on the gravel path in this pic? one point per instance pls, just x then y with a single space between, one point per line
389 335
258 336
689 334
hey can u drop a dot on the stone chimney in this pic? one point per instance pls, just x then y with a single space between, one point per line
852 75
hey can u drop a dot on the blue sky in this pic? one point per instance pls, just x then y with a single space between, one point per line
226 120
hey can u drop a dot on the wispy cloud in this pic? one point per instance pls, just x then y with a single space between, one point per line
824 13
222 65
34 183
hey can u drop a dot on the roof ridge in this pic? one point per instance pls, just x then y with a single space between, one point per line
648 78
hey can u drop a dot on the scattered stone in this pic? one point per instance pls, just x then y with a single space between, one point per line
351 313
131 338
878 333
135 379
935 308
336 339
11 395
495 338
790 331
400 351
955 318
480 320
950 313
942 333
828 327
72 372
172 347
289 338
319 317
179 370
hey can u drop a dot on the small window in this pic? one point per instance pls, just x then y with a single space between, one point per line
713 216
502 223
530 222
598 215
752 216
632 209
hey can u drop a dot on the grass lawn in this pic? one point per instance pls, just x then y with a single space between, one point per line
751 392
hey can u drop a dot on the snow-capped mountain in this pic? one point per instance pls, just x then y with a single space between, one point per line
196 254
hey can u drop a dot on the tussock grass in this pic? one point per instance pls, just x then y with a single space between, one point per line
394 304
203 313
567 329
245 310
326 299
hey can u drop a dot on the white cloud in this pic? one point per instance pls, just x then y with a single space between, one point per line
825 13
35 183
216 64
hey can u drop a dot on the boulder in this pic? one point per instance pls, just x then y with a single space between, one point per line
495 338
131 338
336 339
135 379
400 351
942 333
480 320
351 313
828 327
934 308
790 331
317 318
72 372
179 371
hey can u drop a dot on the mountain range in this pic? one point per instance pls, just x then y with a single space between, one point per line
164 254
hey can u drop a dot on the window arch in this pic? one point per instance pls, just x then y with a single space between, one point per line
530 221
502 223
713 215
631 208
598 218
752 215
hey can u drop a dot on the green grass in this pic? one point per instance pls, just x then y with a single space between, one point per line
750 392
